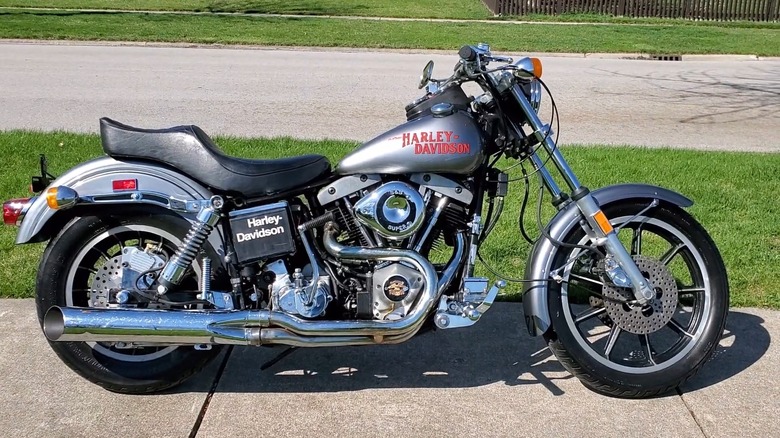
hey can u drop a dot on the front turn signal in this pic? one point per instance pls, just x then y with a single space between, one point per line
61 197
528 68
537 67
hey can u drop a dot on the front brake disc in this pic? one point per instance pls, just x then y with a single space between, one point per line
652 316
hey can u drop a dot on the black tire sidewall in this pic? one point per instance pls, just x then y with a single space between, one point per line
678 372
115 375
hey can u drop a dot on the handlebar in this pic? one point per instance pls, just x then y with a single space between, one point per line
467 53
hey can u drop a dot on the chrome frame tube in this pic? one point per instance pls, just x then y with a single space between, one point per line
434 218
311 289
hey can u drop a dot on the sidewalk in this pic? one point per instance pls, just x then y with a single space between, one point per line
490 380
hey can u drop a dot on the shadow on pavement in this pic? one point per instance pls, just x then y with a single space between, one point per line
497 350
744 342
754 93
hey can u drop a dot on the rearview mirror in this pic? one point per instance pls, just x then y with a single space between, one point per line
426 74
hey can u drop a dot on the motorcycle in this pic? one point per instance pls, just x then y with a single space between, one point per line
165 250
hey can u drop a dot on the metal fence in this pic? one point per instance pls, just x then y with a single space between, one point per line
753 10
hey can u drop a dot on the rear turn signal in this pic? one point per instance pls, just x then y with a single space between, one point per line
15 209
61 197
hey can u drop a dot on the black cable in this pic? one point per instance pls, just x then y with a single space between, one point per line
547 235
548 280
523 206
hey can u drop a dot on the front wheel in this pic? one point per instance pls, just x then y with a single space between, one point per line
619 349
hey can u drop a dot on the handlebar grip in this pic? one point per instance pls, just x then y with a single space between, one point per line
468 53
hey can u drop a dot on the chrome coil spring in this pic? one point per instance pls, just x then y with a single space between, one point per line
192 243
189 248
205 282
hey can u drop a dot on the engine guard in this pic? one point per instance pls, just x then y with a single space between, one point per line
538 266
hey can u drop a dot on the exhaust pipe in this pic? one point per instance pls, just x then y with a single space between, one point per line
152 326
255 327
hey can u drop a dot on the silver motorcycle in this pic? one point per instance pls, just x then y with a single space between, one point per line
165 250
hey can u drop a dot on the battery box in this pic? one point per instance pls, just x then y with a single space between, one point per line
262 232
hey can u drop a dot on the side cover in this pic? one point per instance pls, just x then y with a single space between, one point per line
94 178
539 264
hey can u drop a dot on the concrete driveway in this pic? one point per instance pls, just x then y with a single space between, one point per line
490 380
358 94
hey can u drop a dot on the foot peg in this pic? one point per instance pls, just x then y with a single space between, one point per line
476 300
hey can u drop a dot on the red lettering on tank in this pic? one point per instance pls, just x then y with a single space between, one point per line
435 142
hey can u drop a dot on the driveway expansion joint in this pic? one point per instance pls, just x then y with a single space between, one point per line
690 412
212 390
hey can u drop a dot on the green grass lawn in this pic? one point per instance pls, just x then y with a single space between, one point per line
454 9
463 9
733 194
382 34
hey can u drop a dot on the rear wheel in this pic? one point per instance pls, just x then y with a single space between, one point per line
77 270
633 351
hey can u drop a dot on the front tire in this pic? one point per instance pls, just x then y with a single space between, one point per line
624 351
65 278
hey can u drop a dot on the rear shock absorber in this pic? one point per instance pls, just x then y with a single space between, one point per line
174 270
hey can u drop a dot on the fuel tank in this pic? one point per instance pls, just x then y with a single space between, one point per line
432 143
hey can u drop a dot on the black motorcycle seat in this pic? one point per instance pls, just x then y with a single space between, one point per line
188 149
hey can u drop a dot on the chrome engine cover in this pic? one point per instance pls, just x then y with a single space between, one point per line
289 296
395 288
394 210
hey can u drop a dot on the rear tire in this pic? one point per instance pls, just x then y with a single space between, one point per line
612 349
64 279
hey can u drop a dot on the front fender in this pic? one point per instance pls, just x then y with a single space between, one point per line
539 264
94 178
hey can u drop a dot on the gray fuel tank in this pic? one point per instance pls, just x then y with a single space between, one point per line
449 144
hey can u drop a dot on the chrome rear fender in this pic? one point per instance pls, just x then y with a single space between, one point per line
94 178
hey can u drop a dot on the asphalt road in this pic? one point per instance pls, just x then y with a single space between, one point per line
358 94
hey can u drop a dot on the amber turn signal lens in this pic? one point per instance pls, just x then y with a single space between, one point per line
51 198
603 222
61 197
537 63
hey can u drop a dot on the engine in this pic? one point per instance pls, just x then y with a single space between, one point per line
370 212
398 214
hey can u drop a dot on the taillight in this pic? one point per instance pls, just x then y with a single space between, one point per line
15 209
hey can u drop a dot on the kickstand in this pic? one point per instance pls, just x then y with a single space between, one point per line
278 358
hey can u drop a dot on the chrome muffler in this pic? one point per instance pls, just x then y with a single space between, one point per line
256 327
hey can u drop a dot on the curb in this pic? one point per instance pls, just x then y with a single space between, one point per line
185 45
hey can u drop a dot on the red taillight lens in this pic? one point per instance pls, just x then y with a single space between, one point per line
124 184
14 210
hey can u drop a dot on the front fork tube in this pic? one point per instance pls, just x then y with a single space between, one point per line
643 290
